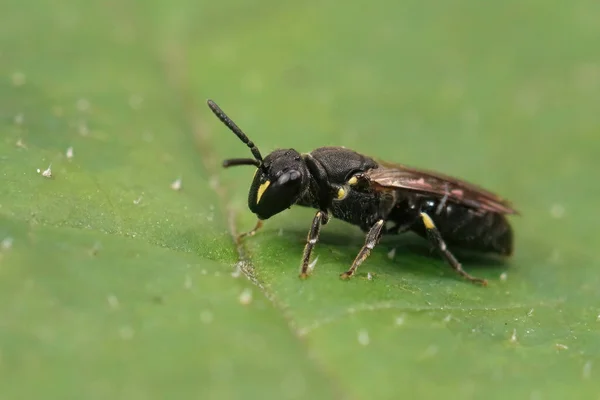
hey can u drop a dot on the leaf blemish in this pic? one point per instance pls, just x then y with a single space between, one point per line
83 105
21 144
557 211
530 313
363 337
392 253
176 185
135 101
587 370
187 283
113 301
47 173
126 332
19 119
513 337
69 153
6 243
206 317
246 297
18 78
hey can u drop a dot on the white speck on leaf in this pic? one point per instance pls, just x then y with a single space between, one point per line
138 200
246 297
503 276
19 119
126 332
237 272
448 318
47 173
392 253
21 144
6 243
83 104
400 320
363 337
530 313
560 346
587 370
187 283
113 301
18 78
557 211
369 276
206 317
513 337
176 185
213 182
70 153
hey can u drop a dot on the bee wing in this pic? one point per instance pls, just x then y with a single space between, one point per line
402 177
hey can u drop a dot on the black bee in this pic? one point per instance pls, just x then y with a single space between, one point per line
381 198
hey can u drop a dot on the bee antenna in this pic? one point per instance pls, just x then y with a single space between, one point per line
234 128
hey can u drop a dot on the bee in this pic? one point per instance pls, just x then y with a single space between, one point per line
380 198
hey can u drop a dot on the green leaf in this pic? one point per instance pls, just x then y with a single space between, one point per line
115 285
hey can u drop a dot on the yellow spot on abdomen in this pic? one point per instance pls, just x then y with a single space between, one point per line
341 193
427 221
261 190
352 181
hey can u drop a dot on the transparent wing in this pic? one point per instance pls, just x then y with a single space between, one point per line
390 175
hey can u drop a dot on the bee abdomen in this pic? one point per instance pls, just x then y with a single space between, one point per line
469 229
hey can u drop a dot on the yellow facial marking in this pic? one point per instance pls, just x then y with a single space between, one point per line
352 181
261 190
427 221
341 193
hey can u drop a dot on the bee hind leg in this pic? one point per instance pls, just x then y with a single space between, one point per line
435 238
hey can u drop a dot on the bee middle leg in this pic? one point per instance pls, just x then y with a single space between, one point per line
436 239
321 218
371 240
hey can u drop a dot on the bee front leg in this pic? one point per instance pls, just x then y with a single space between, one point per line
321 218
371 240
258 225
436 239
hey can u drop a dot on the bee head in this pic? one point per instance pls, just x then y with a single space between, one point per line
280 178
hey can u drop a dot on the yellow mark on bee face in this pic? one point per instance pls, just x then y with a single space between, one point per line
427 221
261 190
353 181
341 193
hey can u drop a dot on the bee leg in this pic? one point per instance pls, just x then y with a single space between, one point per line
258 225
436 239
371 240
321 218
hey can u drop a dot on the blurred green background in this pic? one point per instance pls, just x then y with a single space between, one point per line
114 285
